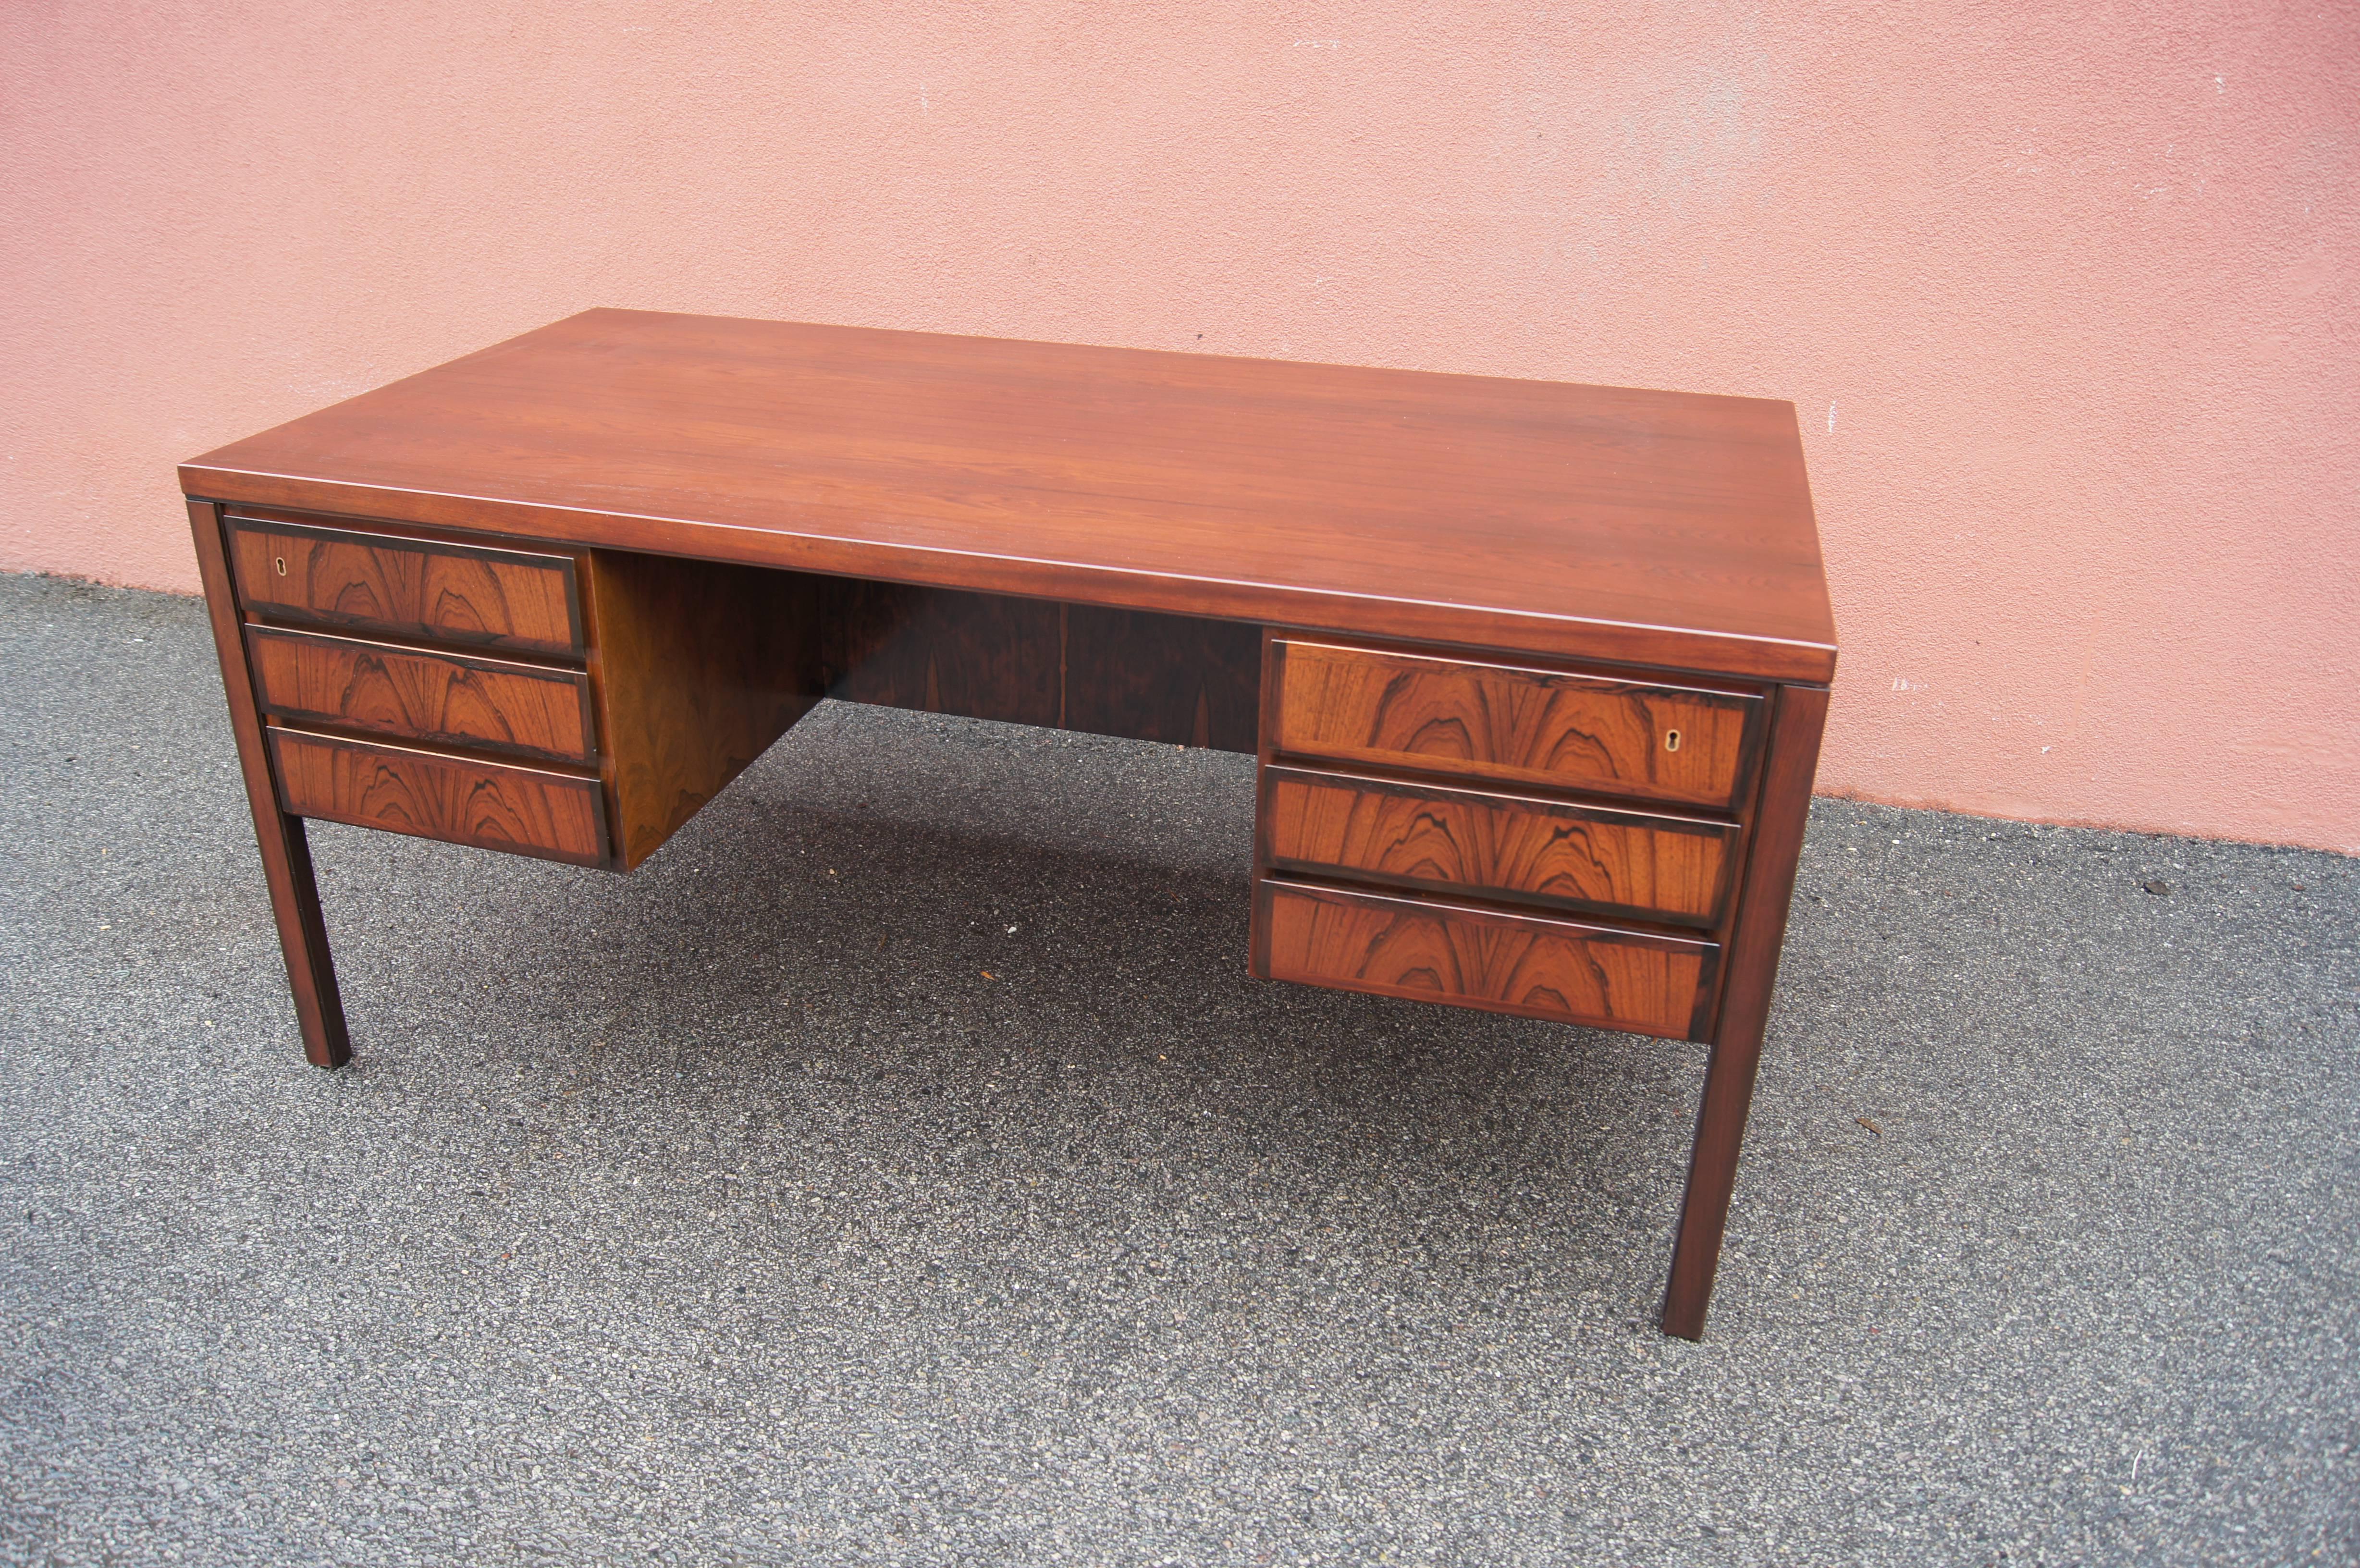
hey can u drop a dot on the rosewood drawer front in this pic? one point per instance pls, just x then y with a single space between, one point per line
1493 845
454 699
491 805
1514 963
1522 725
405 587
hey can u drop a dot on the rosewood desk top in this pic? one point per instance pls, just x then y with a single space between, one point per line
1656 527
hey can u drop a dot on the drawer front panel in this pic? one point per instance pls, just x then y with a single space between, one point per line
488 804
1501 722
449 697
1508 964
416 588
1492 846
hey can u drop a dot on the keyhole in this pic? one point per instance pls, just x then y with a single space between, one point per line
1671 740
280 562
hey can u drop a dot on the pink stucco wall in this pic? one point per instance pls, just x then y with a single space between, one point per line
2066 293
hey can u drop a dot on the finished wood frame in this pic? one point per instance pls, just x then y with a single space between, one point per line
1535 674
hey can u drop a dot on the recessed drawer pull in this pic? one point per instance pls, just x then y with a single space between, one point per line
1484 844
389 585
492 805
1432 951
1477 719
411 693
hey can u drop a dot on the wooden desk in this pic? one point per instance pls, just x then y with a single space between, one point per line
1536 673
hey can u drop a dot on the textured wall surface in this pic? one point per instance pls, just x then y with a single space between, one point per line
2066 294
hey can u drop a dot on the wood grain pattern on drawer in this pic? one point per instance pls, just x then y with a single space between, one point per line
1489 845
492 805
416 588
1507 963
454 699
1498 721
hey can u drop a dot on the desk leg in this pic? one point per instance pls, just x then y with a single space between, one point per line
286 855
1785 809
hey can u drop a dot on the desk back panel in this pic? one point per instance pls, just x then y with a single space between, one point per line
1137 674
980 656
1183 679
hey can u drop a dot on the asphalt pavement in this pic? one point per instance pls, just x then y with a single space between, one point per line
901 1168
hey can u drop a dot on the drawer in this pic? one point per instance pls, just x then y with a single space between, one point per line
456 699
405 587
1538 967
1498 846
1501 721
492 805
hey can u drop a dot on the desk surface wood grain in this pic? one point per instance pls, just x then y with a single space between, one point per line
1658 528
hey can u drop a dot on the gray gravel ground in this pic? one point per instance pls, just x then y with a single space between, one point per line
731 1213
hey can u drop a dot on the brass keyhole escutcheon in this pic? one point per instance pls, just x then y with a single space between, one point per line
1671 740
280 562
